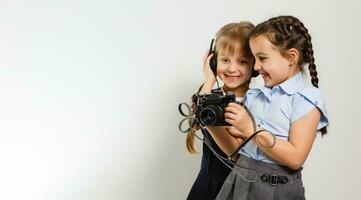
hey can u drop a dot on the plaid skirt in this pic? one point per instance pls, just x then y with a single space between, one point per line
262 181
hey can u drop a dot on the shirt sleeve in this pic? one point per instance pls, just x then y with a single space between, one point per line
305 101
251 96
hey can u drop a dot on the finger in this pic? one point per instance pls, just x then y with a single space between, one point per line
206 56
230 116
234 105
209 58
190 101
193 107
230 121
232 110
233 132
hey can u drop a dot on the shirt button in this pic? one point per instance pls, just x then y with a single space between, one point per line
316 102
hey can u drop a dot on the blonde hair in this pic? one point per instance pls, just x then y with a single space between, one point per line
231 37
235 36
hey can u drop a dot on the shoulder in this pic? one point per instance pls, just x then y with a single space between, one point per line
251 95
311 94
253 92
307 99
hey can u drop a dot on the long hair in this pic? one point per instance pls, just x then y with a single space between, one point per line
286 32
231 37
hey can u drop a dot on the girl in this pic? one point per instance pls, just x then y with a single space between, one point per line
286 107
234 67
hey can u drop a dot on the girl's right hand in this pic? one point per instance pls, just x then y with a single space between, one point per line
207 71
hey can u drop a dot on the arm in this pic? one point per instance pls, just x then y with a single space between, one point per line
293 152
224 139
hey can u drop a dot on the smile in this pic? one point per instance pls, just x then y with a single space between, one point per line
232 76
264 75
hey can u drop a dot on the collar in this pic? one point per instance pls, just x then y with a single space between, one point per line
237 98
294 84
290 86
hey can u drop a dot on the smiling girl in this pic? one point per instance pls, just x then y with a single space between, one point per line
234 62
286 107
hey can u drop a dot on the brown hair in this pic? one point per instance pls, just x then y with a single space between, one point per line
231 37
286 32
235 35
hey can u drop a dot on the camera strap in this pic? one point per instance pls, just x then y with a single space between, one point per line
247 174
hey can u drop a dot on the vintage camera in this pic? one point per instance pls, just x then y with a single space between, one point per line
210 108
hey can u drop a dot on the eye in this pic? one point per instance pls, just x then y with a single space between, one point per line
225 60
261 58
243 61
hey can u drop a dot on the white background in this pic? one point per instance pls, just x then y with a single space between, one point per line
89 94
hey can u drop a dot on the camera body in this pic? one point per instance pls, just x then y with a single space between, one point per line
210 108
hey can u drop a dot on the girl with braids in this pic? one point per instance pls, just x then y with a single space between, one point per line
287 112
234 67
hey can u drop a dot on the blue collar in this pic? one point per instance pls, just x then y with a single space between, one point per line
290 86
294 84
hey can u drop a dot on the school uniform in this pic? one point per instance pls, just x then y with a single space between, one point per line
274 109
211 174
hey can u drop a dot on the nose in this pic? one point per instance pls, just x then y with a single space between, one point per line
256 66
232 68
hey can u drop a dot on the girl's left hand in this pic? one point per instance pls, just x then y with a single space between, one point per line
239 118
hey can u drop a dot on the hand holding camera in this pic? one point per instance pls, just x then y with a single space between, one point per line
239 118
210 108
216 109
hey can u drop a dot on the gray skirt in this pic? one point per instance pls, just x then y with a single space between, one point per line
264 181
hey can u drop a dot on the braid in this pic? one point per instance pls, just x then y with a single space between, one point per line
288 32
308 53
190 134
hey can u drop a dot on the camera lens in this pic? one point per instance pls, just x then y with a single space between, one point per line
210 115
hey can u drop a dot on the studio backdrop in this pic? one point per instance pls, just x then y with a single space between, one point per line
90 89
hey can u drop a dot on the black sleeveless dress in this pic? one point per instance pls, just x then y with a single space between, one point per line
211 175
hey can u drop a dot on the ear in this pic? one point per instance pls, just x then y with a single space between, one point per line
293 56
